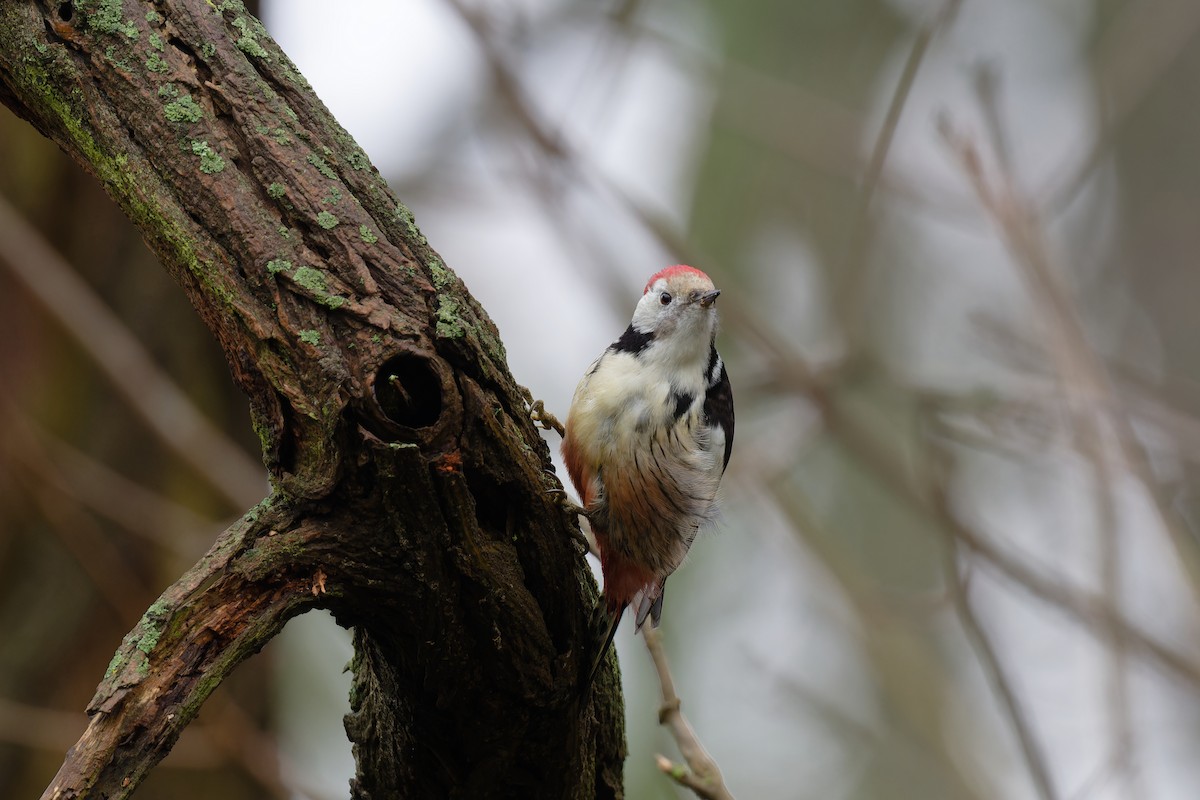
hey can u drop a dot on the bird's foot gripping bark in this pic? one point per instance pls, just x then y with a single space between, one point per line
547 421
575 510
571 507
544 419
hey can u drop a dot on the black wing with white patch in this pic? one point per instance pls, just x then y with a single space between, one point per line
718 401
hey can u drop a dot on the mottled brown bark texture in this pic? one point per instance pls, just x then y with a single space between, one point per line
411 493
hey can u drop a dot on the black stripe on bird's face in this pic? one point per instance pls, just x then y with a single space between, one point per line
632 341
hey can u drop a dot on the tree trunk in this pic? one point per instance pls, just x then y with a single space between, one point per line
411 492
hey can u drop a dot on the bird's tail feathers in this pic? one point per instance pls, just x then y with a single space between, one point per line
648 603
605 622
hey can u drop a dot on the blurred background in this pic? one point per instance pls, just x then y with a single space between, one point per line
957 247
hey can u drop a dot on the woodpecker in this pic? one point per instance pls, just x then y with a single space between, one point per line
648 437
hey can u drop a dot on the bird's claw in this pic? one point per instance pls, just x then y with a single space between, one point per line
547 421
586 543
577 532
575 510
544 419
572 508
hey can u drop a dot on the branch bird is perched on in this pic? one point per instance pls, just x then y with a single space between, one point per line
647 439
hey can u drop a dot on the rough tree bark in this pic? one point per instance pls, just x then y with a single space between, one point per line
411 493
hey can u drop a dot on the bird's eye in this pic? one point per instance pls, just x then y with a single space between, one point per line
665 298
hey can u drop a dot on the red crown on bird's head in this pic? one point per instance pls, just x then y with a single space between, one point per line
670 272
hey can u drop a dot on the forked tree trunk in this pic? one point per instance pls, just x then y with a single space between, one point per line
411 493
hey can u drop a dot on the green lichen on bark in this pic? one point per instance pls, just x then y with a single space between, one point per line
153 621
311 279
441 275
248 41
154 63
106 16
322 166
314 281
448 324
184 109
211 161
115 665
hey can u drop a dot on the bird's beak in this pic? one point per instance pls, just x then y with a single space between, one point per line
709 298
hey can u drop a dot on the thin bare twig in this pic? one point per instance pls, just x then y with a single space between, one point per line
994 673
1143 40
97 557
1089 418
993 670
96 486
822 705
1083 373
893 643
1089 609
1104 426
937 461
167 410
857 245
701 775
